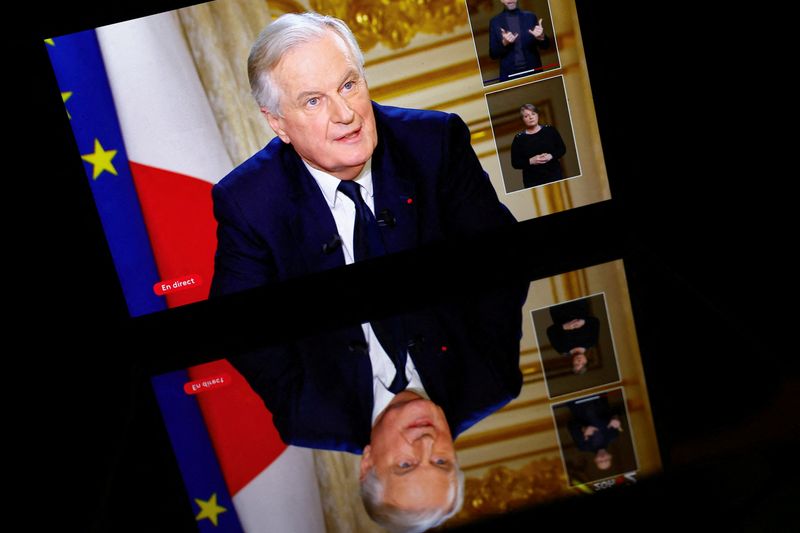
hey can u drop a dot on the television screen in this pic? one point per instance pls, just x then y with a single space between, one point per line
144 112
579 423
161 111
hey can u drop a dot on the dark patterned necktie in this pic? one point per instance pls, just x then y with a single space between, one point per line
367 243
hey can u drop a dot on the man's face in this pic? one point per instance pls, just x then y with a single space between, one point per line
327 113
530 118
413 455
579 361
510 4
603 459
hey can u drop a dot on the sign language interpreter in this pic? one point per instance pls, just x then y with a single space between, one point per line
515 37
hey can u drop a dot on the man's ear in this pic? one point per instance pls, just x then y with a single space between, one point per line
366 463
276 123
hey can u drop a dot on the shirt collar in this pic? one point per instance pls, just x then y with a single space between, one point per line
329 184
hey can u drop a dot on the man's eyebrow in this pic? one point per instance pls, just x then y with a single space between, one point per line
351 73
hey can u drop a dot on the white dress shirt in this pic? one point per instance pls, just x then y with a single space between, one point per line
344 214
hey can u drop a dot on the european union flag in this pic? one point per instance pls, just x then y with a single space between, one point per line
81 75
212 505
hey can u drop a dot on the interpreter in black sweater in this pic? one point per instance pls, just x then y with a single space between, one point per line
536 150
574 332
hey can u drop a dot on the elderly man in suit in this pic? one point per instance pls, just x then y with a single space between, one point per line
347 179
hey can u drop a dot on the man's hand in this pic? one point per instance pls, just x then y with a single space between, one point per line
537 31
588 431
615 423
540 159
508 37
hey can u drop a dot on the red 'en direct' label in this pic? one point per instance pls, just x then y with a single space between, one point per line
206 384
177 284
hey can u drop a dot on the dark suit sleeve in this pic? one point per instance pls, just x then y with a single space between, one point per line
243 260
544 44
554 335
609 434
519 159
496 48
276 374
576 430
470 206
560 148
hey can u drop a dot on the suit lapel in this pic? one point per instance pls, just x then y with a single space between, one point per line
313 226
311 222
394 199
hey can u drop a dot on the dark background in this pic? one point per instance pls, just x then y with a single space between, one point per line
701 215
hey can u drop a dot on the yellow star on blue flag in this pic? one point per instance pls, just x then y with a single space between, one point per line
209 509
64 97
100 160
50 42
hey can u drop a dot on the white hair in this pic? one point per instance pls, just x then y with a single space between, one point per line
285 33
397 520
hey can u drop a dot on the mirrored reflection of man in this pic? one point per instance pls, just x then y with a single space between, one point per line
347 179
574 332
593 426
515 38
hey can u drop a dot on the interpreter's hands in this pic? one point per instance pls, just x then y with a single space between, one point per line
508 37
575 323
615 423
537 31
540 159
588 431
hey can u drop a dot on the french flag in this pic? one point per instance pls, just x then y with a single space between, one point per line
152 151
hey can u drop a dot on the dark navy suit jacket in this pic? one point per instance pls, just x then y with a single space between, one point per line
274 224
528 43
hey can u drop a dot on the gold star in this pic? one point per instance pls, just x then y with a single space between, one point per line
209 509
100 160
64 97
50 42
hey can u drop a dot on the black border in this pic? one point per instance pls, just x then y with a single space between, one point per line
685 217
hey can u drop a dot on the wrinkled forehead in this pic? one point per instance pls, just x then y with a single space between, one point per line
316 65
327 44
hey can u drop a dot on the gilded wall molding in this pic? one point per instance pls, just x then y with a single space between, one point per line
394 24
502 489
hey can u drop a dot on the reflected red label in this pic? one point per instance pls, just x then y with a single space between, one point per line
177 284
206 384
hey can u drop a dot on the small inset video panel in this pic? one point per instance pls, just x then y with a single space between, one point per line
594 435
